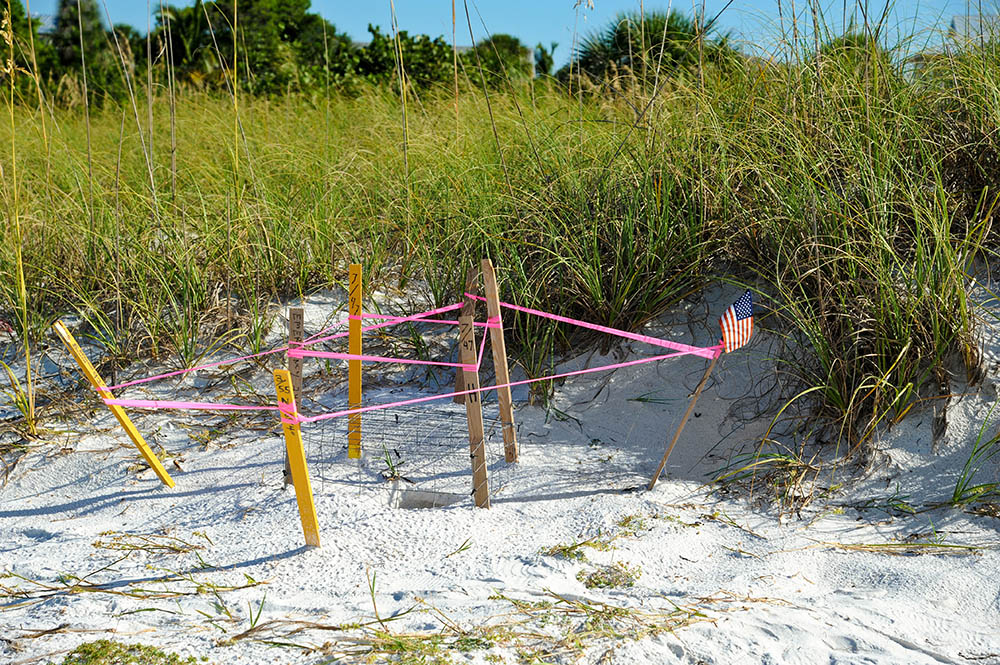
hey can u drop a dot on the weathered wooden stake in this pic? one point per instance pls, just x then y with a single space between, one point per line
474 413
296 456
499 349
119 413
684 419
354 366
468 309
296 333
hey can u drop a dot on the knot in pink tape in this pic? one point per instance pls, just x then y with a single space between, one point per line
289 416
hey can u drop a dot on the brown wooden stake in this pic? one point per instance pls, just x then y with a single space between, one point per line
468 309
296 333
499 349
474 413
684 419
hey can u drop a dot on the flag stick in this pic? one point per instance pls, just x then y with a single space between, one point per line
687 414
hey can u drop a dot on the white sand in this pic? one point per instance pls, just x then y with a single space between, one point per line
770 585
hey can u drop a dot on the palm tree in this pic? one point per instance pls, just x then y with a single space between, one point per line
645 43
190 40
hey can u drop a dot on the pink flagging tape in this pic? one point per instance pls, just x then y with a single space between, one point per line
708 352
316 339
490 323
305 353
228 361
482 349
297 352
419 400
289 416
211 406
187 406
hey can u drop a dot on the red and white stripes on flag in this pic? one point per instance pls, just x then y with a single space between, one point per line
737 323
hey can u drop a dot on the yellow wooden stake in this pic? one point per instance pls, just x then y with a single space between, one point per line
102 389
474 414
354 366
499 349
296 457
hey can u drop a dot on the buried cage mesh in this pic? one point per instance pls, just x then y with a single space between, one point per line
419 454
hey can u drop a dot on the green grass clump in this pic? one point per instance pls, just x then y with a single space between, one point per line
108 652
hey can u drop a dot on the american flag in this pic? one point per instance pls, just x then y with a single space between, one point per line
737 323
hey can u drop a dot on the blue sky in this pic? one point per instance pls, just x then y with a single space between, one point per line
546 21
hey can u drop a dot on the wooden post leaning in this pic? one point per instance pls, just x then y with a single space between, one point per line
354 294
499 349
474 413
684 419
296 333
468 309
119 413
296 456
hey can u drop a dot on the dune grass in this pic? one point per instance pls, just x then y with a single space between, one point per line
854 194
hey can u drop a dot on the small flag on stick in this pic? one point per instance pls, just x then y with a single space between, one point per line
737 323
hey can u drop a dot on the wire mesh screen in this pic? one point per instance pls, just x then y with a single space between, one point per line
418 454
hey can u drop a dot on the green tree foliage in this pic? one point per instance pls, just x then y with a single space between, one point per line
82 17
544 59
280 47
265 56
72 17
502 57
185 32
321 50
638 45
425 61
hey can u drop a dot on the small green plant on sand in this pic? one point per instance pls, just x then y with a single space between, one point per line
615 576
983 450
574 551
631 525
108 652
628 526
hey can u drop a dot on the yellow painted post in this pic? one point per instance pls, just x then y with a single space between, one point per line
354 366
499 349
474 414
468 309
296 333
119 413
296 457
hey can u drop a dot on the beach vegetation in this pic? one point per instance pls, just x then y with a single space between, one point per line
110 652
612 576
172 198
